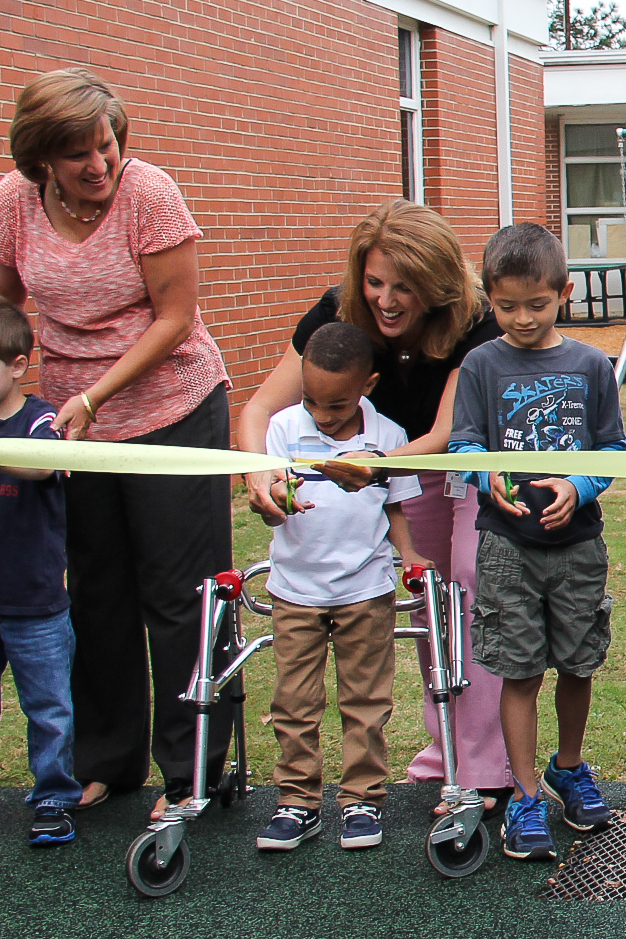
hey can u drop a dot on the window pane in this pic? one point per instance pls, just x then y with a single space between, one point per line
404 62
406 126
593 185
591 140
594 236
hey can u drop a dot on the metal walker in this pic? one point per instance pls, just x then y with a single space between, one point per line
157 861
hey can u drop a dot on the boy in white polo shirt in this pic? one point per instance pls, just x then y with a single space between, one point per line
332 571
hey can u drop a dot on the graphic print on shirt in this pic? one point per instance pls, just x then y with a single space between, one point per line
545 412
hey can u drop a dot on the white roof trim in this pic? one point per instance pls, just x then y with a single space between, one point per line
444 15
476 18
555 58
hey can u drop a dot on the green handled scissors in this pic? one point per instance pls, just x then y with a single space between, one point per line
508 485
290 483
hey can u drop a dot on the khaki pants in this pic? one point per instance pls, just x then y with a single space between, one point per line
362 636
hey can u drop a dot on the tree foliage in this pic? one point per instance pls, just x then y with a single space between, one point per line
602 28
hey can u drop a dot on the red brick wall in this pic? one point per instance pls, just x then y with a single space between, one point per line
553 176
279 123
281 126
459 120
527 141
460 149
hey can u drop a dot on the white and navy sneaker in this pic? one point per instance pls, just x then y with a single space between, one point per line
525 833
361 826
584 808
51 826
290 825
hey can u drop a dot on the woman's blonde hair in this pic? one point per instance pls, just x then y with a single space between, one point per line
57 108
430 262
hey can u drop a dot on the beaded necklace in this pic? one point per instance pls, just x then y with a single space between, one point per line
79 218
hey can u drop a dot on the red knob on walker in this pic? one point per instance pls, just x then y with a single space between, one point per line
229 584
412 579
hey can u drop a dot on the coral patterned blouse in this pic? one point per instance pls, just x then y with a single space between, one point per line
93 303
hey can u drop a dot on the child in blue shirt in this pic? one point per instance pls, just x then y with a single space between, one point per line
35 627
541 564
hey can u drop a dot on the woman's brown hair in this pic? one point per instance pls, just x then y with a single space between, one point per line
430 261
57 108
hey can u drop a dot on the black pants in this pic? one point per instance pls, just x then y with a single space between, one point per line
138 546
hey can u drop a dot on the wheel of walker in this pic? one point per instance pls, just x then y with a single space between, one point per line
226 789
450 862
145 875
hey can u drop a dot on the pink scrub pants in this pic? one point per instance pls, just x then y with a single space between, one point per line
443 530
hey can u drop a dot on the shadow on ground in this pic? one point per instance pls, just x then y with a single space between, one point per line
318 891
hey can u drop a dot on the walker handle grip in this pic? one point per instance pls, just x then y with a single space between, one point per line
228 584
412 579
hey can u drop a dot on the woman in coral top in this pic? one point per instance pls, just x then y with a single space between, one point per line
105 246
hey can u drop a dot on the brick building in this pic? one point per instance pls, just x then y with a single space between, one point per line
585 104
285 122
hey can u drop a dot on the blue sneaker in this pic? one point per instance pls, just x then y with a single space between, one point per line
525 833
290 825
361 826
51 826
583 806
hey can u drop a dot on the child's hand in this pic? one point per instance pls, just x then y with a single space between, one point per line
497 491
559 513
278 492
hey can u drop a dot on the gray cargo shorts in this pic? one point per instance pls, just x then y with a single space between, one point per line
537 608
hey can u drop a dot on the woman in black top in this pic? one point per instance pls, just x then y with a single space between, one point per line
409 287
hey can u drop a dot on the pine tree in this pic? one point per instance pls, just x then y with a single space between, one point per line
602 28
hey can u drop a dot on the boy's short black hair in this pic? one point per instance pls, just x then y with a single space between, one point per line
528 252
16 334
340 347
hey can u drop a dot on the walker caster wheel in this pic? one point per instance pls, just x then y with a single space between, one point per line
146 876
445 858
226 789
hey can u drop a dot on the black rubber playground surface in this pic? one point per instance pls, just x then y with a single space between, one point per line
318 891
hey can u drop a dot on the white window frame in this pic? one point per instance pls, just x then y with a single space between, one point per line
568 213
412 106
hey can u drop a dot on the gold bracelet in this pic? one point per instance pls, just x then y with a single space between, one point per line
88 407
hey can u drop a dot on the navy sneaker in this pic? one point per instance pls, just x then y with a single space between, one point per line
290 825
583 806
361 826
525 833
51 826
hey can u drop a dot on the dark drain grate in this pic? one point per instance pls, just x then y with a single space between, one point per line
595 868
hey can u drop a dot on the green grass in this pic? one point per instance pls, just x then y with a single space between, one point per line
606 731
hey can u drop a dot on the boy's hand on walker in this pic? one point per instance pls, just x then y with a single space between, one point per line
502 498
411 558
559 513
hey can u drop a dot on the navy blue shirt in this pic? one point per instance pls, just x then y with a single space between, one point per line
32 527
561 398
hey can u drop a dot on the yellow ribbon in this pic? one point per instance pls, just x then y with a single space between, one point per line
95 457
552 462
